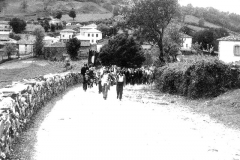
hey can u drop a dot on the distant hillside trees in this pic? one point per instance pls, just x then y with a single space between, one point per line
24 5
201 22
59 15
18 25
122 51
108 6
72 14
116 10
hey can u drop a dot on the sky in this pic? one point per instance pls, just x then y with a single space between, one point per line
232 6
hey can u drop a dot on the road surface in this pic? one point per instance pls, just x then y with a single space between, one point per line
83 126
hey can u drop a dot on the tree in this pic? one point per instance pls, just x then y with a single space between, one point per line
24 5
9 49
59 15
152 18
116 10
14 36
53 28
73 46
104 29
72 14
108 6
201 22
38 44
18 25
46 25
122 51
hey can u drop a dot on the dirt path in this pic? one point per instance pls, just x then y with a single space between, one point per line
83 126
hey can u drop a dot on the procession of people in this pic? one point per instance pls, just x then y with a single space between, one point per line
107 76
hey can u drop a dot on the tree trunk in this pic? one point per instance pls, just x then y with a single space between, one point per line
160 45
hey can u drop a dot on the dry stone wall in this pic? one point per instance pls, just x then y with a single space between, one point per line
21 100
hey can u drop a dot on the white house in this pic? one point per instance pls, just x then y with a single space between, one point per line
187 42
229 49
93 35
5 28
56 22
88 27
67 34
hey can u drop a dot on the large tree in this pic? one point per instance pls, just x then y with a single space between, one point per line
152 18
9 49
73 46
72 14
18 25
122 51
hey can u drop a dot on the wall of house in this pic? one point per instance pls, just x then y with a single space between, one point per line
187 43
23 49
93 37
66 36
226 51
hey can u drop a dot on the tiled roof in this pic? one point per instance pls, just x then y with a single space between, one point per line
230 38
185 35
24 41
85 43
57 44
93 31
32 27
67 30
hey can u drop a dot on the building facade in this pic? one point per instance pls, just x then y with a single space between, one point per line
67 34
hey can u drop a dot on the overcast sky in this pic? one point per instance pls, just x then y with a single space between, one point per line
232 6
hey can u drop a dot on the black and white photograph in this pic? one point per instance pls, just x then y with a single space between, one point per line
119 80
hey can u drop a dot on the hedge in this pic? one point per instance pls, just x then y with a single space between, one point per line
197 79
21 100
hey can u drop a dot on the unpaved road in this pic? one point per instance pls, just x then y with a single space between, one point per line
82 126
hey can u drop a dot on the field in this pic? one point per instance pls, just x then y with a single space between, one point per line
17 70
193 19
87 17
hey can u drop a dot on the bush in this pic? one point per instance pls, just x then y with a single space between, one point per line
207 77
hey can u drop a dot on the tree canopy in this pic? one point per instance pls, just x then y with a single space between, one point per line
152 18
73 46
122 51
18 25
72 14
38 44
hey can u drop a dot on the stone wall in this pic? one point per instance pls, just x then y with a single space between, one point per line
21 100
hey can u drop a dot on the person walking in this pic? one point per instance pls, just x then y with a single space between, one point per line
105 81
121 81
84 69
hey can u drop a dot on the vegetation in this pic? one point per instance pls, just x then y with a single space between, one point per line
38 44
161 12
9 49
59 15
197 78
14 36
72 14
24 5
73 46
18 25
122 51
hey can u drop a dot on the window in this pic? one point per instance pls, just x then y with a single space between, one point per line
92 35
63 36
96 35
236 50
69 36
88 35
186 45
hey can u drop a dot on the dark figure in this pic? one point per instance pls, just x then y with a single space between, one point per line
121 81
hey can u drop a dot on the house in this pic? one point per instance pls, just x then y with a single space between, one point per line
31 27
101 43
56 22
55 51
88 27
67 34
186 42
5 28
229 49
25 45
74 27
93 35
85 47
50 40
146 46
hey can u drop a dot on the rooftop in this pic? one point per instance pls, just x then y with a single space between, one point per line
67 30
230 38
57 45
185 35
93 31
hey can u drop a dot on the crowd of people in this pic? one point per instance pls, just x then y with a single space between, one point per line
106 76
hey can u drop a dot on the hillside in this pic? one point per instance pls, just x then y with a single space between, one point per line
37 8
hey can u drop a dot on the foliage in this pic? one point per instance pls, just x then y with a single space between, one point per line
53 28
24 5
202 77
14 36
152 18
59 15
46 3
38 44
148 59
116 10
187 30
46 25
72 14
108 6
225 19
201 22
9 49
18 25
208 37
73 46
122 51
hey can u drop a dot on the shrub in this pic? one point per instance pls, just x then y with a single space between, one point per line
206 77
